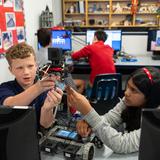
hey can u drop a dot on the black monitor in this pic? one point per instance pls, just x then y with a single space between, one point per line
114 38
55 55
153 42
18 135
150 135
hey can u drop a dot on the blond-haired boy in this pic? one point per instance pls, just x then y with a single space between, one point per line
25 90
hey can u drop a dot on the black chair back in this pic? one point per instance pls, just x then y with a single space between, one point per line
106 90
106 87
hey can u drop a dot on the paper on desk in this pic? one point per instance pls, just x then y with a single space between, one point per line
103 153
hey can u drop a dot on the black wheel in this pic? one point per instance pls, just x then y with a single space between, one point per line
91 153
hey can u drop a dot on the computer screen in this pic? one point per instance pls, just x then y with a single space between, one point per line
61 39
18 135
67 134
150 135
114 38
153 42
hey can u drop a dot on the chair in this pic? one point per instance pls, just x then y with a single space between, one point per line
105 93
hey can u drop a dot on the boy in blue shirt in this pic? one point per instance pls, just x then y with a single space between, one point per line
25 90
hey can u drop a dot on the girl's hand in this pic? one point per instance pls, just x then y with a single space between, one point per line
77 100
83 128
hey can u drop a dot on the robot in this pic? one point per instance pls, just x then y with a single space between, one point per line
64 140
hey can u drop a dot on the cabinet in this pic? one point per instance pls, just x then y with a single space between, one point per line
111 13
74 12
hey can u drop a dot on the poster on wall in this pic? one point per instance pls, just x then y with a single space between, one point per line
8 3
7 39
12 29
18 5
10 21
20 34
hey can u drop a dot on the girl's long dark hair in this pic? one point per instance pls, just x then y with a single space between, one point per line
147 80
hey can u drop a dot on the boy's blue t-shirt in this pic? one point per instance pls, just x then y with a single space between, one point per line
12 88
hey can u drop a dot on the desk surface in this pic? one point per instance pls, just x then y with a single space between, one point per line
100 154
142 60
121 67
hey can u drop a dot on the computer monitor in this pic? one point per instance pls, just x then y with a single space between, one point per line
153 42
55 55
18 135
150 135
114 38
61 39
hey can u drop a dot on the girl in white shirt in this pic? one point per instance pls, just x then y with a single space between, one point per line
142 91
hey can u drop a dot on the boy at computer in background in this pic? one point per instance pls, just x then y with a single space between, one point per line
100 56
44 36
25 90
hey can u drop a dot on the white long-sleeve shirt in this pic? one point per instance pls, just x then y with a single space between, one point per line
42 56
103 127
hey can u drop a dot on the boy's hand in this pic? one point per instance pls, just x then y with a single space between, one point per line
46 83
53 99
79 101
83 128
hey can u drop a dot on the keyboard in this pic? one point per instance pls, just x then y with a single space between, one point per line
69 60
156 57
81 61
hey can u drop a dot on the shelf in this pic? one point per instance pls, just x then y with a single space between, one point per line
121 0
74 14
99 14
144 13
122 13
96 26
111 14
98 0
70 1
122 26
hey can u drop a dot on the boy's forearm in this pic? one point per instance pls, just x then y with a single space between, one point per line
47 117
24 98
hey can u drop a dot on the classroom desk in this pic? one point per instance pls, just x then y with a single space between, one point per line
121 67
100 154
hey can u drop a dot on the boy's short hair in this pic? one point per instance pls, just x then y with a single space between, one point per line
101 35
44 36
20 50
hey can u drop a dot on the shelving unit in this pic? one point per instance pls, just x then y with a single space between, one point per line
111 13
121 15
98 13
147 14
74 12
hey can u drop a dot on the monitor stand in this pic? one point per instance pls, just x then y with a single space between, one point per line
156 55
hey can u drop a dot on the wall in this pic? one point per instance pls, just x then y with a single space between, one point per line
134 44
5 74
57 11
32 11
